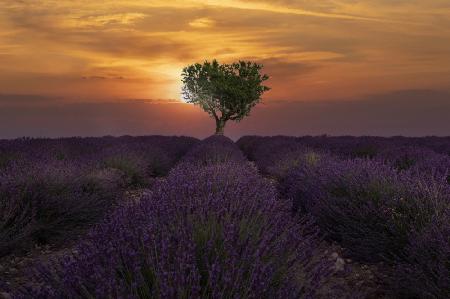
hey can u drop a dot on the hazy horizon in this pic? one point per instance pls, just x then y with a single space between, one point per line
412 113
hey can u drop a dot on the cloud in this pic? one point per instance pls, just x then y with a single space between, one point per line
281 9
202 23
95 21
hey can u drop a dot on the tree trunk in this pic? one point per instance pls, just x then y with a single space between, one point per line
220 125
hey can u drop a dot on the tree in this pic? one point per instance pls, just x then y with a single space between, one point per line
225 91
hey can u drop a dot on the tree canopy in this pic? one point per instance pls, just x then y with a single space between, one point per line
225 91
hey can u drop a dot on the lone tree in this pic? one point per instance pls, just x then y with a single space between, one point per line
225 91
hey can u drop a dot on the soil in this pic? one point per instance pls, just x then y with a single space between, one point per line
358 276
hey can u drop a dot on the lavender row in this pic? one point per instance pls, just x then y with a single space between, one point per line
213 150
153 154
52 188
376 210
352 147
428 155
214 228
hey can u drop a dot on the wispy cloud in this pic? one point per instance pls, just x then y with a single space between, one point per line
281 9
202 23
96 21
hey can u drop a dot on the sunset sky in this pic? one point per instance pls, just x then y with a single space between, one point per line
69 54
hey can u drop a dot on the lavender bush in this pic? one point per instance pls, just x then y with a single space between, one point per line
52 188
48 206
216 231
417 160
366 206
260 149
425 271
393 208
214 149
137 165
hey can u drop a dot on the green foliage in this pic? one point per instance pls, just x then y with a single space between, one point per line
6 158
135 174
224 91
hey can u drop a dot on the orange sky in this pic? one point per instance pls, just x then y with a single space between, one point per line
125 49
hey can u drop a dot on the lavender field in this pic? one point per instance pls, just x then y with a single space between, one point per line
265 217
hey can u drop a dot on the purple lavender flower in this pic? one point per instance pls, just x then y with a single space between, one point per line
51 188
425 271
212 231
